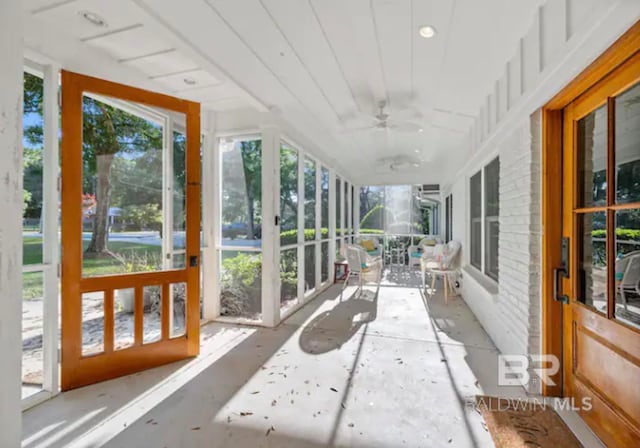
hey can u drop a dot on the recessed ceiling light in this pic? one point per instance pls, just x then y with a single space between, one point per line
416 164
190 81
420 130
416 151
427 31
94 18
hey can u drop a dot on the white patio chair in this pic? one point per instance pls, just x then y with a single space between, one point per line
414 252
362 265
378 247
444 263
628 274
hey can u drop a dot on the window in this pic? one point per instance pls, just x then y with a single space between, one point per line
484 205
241 228
475 202
491 217
448 225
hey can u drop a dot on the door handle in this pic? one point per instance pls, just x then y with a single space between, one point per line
558 275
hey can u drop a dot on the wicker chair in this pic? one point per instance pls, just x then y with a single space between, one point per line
362 265
443 262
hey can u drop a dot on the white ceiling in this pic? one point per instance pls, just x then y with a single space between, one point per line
319 63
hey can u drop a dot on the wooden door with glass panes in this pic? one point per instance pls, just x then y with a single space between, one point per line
601 220
130 164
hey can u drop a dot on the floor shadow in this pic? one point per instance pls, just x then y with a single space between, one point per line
331 329
456 322
59 422
404 276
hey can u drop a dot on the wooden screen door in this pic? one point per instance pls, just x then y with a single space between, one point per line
601 219
130 229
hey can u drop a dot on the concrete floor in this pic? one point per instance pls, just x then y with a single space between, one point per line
396 369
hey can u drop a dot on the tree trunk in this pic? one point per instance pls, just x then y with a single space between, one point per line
251 229
250 208
98 245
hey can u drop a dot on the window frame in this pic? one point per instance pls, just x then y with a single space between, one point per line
481 260
488 219
475 220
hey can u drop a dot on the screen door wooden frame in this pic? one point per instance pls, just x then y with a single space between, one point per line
78 370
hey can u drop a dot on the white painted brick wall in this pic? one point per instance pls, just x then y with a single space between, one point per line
511 316
519 244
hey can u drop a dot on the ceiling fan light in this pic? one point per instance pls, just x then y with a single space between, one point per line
93 18
427 31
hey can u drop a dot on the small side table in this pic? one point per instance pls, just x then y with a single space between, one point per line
397 256
340 271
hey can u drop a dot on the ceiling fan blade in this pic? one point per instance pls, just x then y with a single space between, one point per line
406 126
357 129
407 114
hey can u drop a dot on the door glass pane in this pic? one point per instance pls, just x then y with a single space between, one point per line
33 170
592 260
628 266
592 158
178 189
122 186
123 309
288 195
92 323
178 309
241 284
241 192
152 318
627 144
309 199
288 278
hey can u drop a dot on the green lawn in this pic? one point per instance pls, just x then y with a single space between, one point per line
32 254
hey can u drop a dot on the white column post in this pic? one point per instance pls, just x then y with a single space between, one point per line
270 230
356 210
318 245
343 216
210 220
50 201
301 225
332 224
11 75
347 204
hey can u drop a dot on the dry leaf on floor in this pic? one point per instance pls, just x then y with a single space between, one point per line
269 430
334 389
244 414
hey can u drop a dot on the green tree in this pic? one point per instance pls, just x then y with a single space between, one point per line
252 168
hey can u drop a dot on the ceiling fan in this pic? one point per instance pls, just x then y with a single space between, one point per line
399 163
401 121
